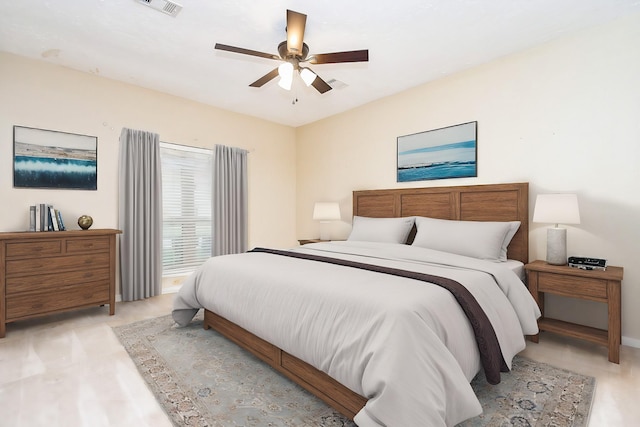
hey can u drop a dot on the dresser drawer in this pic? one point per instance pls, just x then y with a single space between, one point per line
86 245
34 249
30 267
52 281
584 287
31 304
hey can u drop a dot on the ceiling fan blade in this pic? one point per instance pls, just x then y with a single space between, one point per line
245 51
320 85
336 57
295 31
266 78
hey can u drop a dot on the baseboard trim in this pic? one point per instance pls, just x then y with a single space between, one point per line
631 342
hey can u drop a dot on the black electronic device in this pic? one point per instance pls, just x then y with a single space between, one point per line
588 263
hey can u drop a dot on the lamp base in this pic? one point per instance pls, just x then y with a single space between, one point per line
557 246
325 232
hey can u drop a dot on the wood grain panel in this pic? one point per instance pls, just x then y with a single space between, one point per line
87 245
339 394
33 249
52 281
245 339
488 205
578 287
438 205
595 335
29 304
62 263
377 205
614 320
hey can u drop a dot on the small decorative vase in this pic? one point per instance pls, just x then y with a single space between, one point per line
85 221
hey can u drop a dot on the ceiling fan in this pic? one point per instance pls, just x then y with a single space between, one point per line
293 52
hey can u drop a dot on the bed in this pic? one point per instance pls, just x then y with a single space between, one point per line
380 348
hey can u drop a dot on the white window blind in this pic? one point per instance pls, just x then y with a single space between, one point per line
186 208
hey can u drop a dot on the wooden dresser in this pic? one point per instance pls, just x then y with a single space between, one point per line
43 273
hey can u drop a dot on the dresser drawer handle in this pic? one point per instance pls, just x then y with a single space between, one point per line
88 261
37 306
38 249
87 275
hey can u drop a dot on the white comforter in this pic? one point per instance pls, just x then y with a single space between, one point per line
405 345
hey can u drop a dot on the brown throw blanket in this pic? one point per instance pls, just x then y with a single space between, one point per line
490 354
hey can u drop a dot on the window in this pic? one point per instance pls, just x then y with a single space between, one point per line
186 208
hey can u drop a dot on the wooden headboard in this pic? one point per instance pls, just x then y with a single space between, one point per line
494 202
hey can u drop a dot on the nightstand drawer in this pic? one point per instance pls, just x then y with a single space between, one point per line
573 286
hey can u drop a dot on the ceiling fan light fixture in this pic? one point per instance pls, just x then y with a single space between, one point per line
285 70
307 76
285 82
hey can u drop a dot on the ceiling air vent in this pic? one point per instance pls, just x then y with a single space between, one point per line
336 84
164 6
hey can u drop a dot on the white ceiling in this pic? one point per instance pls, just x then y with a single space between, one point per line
410 42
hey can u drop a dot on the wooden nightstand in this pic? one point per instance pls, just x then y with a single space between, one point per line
594 285
305 241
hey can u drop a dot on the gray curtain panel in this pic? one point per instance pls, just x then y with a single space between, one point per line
140 215
229 210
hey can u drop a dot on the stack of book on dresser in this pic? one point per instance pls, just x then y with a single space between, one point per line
45 217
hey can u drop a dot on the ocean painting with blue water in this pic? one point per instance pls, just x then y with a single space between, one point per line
449 152
51 159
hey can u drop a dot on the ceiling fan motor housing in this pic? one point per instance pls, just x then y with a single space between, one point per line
287 55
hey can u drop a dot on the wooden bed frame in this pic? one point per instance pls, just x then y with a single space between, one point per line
496 202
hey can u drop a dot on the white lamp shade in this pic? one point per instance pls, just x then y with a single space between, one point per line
285 82
326 211
557 209
285 69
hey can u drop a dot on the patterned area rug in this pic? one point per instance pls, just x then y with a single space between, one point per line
202 379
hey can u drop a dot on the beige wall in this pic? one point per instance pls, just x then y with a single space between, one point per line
564 117
37 94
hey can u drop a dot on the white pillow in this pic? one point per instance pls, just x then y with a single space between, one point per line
385 230
478 239
513 229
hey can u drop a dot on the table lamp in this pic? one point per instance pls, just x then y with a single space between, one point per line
326 212
557 209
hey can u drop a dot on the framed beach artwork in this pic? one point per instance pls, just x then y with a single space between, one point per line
449 152
51 159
